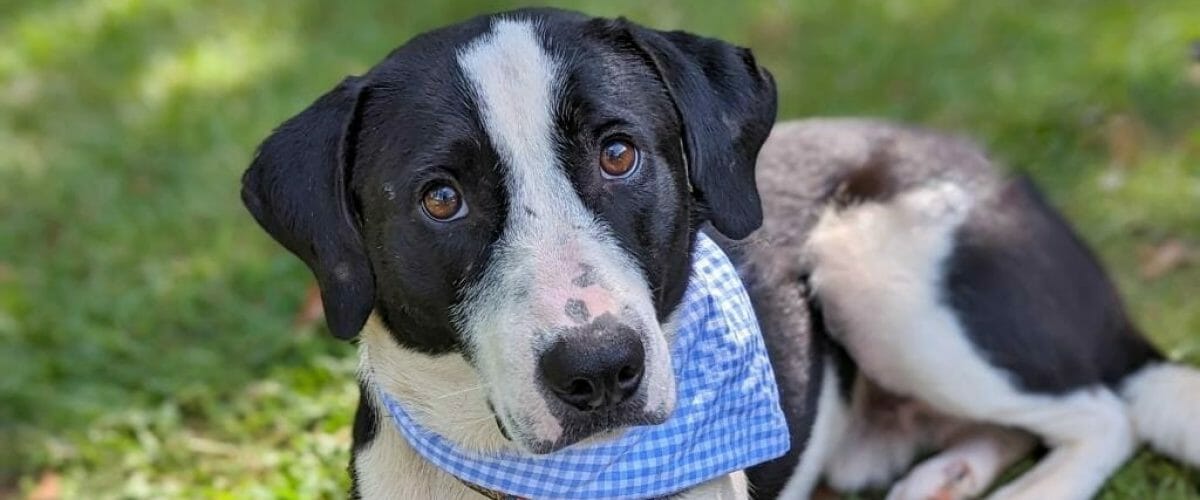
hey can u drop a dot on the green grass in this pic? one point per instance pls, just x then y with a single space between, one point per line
146 343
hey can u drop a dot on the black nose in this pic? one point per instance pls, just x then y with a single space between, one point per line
594 371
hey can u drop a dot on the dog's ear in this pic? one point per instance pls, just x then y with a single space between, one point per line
296 188
726 103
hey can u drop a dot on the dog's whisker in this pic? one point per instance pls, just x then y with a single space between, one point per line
477 420
461 391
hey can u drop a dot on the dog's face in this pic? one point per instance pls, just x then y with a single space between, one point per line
524 189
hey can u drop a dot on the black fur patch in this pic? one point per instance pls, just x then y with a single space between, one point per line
872 181
1035 300
577 310
587 276
366 426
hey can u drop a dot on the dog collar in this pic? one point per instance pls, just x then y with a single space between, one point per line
727 415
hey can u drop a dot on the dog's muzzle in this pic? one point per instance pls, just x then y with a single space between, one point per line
594 367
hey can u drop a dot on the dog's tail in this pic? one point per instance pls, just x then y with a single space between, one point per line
1164 402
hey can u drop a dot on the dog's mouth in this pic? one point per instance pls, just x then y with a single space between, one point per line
589 427
603 426
503 431
499 423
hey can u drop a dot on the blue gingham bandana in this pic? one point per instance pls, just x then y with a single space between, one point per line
727 415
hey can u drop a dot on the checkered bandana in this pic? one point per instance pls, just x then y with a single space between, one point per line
727 417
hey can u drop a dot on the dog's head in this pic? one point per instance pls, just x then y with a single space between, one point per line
523 189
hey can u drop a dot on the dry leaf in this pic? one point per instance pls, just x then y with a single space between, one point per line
1124 135
311 309
824 492
1194 69
49 487
1158 260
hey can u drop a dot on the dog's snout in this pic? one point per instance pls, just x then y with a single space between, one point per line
593 372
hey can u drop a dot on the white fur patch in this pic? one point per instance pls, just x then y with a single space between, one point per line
827 429
732 486
878 270
1164 402
551 238
389 469
443 393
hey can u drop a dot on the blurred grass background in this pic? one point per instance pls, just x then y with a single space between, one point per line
148 346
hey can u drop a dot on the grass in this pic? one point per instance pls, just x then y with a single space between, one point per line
146 337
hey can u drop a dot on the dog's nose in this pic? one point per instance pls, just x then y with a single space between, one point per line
594 372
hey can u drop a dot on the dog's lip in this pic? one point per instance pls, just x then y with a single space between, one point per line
588 429
499 423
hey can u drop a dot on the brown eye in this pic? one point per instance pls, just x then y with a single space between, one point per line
618 158
443 203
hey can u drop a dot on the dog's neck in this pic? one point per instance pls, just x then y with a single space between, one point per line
443 393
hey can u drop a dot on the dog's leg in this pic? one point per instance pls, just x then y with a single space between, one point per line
1089 434
972 461
882 437
827 431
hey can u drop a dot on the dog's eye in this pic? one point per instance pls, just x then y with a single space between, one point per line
618 158
443 203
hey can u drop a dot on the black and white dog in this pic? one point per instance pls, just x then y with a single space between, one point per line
495 196
502 213
976 322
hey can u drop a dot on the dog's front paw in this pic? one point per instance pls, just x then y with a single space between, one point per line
937 479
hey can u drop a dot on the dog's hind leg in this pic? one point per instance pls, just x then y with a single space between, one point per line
1089 434
971 462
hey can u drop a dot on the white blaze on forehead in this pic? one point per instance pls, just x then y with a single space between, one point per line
513 78
549 233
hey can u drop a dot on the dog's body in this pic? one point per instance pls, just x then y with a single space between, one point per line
975 321
502 212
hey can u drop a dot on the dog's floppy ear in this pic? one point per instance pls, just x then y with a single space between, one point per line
296 189
726 103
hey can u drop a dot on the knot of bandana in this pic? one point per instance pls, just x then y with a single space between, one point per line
727 417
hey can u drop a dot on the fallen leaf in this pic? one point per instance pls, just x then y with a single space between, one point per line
311 310
1158 260
824 492
1124 135
49 487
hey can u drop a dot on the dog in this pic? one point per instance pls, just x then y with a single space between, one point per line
501 213
968 318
